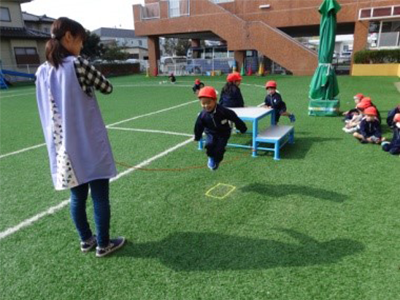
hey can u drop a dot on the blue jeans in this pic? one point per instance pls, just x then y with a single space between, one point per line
99 190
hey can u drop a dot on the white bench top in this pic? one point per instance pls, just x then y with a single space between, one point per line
251 112
275 132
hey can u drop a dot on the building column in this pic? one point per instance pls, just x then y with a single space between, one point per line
360 37
239 58
153 43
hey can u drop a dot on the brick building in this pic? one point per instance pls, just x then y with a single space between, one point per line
268 26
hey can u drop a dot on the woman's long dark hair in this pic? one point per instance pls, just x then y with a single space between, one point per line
55 52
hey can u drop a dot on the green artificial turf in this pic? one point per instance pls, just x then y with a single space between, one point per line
321 223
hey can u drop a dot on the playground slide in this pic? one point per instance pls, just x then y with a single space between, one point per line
3 81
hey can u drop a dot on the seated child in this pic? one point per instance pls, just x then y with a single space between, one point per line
353 124
391 114
274 100
231 96
214 120
394 146
348 115
172 78
370 127
198 85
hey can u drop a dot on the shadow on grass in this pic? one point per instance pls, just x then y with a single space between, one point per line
302 145
283 190
194 251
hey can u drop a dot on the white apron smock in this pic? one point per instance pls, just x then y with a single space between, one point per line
75 134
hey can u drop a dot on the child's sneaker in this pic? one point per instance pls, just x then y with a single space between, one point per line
114 245
292 118
89 244
211 164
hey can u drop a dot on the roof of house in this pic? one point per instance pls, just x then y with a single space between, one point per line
28 17
22 33
115 33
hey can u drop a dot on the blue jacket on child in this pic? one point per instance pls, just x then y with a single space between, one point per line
368 129
276 103
216 123
232 98
390 116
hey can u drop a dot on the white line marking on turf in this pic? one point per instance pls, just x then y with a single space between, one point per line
22 150
151 131
108 126
153 113
11 96
64 203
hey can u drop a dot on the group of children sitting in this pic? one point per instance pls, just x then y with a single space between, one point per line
364 122
216 119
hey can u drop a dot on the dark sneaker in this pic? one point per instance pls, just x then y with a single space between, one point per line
363 141
89 244
292 118
216 165
114 245
211 163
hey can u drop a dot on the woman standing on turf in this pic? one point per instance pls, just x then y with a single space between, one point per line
77 142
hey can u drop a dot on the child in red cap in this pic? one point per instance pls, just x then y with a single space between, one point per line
348 115
214 120
198 85
391 114
354 124
370 127
394 146
231 96
274 100
172 78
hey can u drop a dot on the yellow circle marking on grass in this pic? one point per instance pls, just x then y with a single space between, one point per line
220 191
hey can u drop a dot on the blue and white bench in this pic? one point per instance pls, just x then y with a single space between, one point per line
278 135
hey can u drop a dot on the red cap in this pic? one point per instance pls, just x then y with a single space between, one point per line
197 81
371 111
359 96
208 92
234 77
271 84
364 103
396 118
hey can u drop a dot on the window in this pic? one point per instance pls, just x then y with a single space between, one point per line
26 56
5 14
140 43
384 34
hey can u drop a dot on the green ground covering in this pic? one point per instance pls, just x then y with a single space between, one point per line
321 223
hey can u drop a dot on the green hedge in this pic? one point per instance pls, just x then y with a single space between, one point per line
377 56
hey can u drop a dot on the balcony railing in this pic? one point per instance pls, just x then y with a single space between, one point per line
150 11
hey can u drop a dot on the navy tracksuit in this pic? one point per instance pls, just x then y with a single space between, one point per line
217 128
276 103
394 146
368 129
391 115
231 97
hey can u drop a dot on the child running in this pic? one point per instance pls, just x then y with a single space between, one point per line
231 96
274 100
198 85
77 142
214 120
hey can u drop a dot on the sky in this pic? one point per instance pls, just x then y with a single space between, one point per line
92 14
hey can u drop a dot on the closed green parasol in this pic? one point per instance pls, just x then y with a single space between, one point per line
324 87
